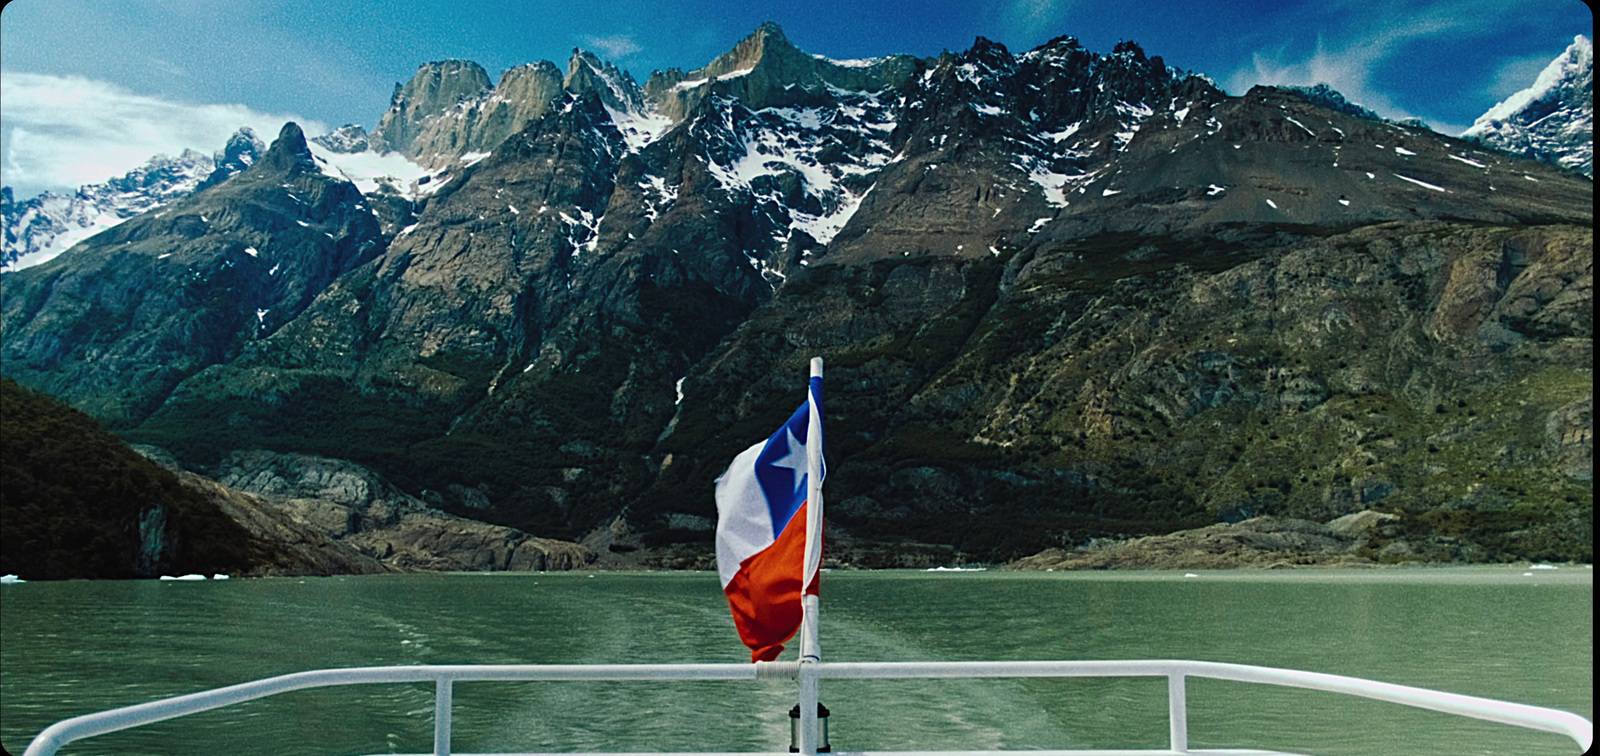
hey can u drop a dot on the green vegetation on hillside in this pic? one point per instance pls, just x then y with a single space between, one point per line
73 497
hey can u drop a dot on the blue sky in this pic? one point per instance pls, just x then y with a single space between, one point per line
94 87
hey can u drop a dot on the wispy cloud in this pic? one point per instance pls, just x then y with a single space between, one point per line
1348 61
1516 75
615 47
63 132
1029 19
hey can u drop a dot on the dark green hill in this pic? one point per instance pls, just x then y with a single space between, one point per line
76 502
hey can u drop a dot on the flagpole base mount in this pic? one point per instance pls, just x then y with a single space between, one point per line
823 746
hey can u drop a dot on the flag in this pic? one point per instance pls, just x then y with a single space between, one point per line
761 531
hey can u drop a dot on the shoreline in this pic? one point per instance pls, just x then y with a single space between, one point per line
1519 569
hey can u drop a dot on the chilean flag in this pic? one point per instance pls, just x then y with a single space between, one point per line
761 531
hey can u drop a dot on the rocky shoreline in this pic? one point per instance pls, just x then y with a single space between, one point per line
1361 539
337 517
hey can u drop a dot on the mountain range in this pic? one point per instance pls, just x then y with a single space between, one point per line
1061 295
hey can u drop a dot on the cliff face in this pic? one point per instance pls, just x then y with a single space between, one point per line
1061 295
113 327
1119 385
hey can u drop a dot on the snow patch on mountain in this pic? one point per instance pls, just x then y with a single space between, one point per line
806 168
373 172
41 228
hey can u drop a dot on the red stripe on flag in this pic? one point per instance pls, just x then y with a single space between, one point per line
765 593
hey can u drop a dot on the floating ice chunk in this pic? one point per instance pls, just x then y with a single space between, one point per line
184 577
1542 567
10 579
219 576
1422 184
1190 574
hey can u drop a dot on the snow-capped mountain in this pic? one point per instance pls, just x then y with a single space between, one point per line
39 228
569 292
1551 120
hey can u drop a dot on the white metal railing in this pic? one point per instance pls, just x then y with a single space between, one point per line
1579 729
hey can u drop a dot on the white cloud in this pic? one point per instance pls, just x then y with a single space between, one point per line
1347 69
63 132
1379 32
614 47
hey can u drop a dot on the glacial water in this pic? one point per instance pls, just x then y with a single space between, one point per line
1503 632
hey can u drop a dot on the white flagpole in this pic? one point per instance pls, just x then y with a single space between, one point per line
810 649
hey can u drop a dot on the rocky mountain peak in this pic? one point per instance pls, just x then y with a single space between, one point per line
39 228
1553 119
1077 272
1330 98
988 52
241 152
349 138
436 88
615 87
289 150
766 70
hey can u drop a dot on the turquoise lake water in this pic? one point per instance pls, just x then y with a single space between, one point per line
1510 633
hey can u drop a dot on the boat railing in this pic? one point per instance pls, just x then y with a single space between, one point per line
1579 729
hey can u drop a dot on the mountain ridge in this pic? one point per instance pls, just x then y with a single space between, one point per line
1024 272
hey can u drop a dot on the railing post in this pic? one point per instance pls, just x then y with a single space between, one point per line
1178 712
809 685
441 716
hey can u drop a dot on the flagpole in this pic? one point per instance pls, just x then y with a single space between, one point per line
810 648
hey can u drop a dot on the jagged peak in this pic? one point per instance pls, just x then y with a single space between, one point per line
1063 42
770 29
750 51
586 72
523 69
1566 69
462 78
1326 96
1130 48
289 149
